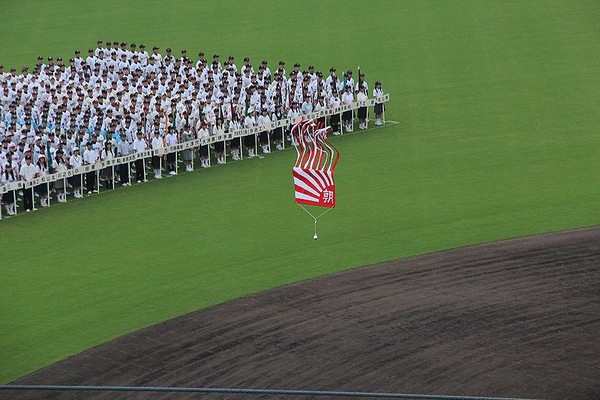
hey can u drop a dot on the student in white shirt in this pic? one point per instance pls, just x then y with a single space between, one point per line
170 140
42 188
90 156
334 120
264 120
157 143
60 166
347 99
28 172
108 154
250 140
379 106
139 145
143 55
76 161
362 111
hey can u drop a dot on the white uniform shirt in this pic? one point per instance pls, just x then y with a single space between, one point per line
139 145
75 161
170 139
90 156
157 142
28 171
249 121
347 98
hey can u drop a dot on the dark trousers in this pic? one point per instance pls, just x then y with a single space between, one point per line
171 161
334 121
139 169
28 198
90 181
124 172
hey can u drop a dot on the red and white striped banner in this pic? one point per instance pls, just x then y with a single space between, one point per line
315 165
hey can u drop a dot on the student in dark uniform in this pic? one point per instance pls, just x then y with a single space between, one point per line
8 198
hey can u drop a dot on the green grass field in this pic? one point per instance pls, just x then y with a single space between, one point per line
497 104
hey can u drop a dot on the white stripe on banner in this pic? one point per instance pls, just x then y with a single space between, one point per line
307 177
319 175
303 185
302 196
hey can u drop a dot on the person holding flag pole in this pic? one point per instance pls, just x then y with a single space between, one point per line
171 140
379 106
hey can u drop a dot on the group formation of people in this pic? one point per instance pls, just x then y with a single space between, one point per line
122 99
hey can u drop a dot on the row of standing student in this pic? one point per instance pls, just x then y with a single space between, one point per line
122 174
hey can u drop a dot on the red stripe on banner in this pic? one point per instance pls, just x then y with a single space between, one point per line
318 176
317 159
305 177
300 189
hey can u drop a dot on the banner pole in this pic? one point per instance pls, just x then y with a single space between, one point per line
269 134
144 168
383 112
209 155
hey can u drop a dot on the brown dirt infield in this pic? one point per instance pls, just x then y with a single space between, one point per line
518 318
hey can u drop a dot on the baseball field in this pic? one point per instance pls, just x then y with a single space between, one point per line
491 133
